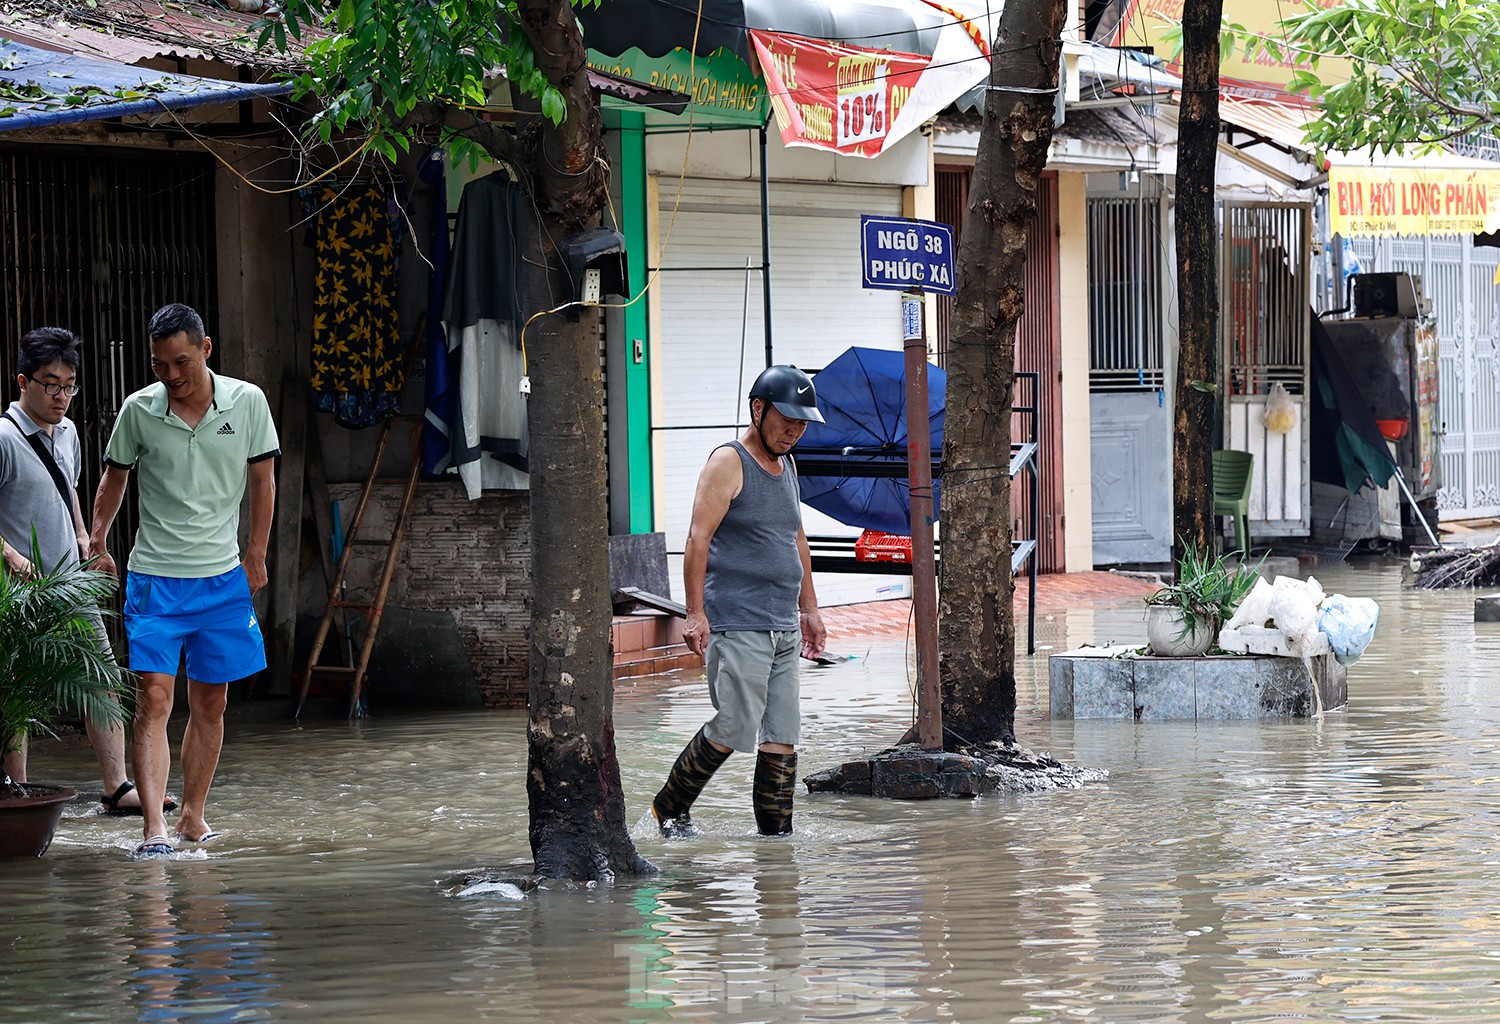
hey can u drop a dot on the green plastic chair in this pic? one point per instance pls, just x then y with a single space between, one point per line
1232 471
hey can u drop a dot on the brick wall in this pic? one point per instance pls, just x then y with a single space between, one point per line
470 559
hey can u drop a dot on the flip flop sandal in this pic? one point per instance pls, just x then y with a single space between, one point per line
206 837
112 803
154 848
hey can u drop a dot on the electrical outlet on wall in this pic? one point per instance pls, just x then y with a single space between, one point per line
591 279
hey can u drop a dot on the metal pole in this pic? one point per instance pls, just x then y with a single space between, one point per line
1417 509
923 560
765 242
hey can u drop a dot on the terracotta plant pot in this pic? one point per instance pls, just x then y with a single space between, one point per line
1164 633
28 822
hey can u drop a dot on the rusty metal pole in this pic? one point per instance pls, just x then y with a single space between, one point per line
923 561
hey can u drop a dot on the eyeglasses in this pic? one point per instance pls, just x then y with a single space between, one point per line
67 389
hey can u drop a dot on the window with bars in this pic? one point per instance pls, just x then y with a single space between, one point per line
1125 295
1264 316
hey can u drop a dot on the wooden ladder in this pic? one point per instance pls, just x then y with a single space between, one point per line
372 609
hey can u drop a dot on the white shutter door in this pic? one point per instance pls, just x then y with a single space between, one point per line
712 342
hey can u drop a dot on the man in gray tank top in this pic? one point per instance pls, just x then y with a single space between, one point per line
751 607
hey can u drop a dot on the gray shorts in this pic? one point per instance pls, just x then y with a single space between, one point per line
755 683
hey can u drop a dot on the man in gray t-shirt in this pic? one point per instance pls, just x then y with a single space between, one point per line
751 606
30 500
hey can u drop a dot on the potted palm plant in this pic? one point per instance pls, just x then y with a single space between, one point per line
52 657
1183 618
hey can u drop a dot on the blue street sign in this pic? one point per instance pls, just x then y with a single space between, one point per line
901 253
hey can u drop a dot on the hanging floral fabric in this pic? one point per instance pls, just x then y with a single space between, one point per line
357 365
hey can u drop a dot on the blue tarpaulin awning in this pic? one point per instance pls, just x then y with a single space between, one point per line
39 88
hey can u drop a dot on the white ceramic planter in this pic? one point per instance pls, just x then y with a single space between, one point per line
1164 633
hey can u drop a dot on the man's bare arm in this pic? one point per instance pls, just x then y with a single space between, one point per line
814 635
107 501
78 527
718 485
262 507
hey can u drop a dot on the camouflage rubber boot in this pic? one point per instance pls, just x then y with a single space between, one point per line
695 766
775 784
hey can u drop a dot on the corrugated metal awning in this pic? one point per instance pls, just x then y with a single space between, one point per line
40 87
133 31
659 26
1281 124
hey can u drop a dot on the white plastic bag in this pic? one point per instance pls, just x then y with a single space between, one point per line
1294 605
1255 609
1281 412
1350 625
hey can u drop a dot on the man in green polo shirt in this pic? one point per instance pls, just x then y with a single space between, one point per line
192 441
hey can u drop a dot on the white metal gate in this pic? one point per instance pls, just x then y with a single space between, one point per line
1459 279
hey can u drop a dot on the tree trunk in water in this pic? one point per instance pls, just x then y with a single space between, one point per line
1196 396
578 828
977 630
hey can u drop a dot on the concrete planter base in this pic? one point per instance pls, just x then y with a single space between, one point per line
1117 682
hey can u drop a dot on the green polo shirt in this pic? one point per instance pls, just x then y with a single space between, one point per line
190 481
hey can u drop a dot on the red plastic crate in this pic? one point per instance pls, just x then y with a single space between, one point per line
874 546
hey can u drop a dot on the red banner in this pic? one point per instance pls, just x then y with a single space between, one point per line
836 97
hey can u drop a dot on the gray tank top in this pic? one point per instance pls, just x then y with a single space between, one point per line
754 569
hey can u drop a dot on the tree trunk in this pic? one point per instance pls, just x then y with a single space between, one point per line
578 828
977 631
1196 394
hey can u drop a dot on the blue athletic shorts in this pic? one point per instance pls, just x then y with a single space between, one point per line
211 617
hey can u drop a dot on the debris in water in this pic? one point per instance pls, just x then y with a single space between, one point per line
502 889
491 883
909 773
1456 567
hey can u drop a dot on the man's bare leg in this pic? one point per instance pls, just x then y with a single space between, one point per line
108 741
200 753
150 753
15 763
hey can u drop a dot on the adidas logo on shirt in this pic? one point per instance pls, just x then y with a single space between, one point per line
225 429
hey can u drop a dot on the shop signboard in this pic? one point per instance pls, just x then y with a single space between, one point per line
723 88
1434 200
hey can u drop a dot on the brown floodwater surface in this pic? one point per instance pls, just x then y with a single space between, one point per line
1334 869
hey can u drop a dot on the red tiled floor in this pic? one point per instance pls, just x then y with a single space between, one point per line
1052 592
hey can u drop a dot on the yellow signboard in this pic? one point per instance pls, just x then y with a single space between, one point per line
1412 201
1146 24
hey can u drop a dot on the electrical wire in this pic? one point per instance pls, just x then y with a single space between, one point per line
259 188
687 150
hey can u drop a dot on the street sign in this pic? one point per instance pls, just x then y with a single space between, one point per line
905 254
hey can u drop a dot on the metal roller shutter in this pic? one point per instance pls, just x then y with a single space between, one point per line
712 343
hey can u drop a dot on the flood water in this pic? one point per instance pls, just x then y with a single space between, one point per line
1342 868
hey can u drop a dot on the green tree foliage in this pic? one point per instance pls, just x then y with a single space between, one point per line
52 656
1421 71
374 63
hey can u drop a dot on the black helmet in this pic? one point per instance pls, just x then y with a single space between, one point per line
790 390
